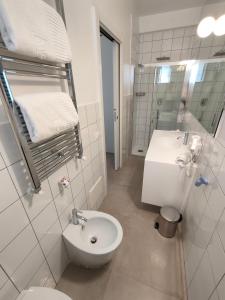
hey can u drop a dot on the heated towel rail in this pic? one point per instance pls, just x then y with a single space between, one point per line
43 158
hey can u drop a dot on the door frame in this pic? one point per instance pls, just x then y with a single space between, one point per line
117 111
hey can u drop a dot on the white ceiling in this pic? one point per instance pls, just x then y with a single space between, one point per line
149 7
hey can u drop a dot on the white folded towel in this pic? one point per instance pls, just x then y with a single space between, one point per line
47 114
34 28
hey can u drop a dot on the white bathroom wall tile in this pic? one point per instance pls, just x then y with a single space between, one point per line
194 258
8 191
217 257
23 243
156 46
8 292
178 32
28 268
20 177
66 217
93 132
42 277
35 203
203 284
51 237
85 136
50 283
91 113
3 277
157 35
77 185
214 296
15 220
216 158
63 200
82 116
216 201
2 164
8 146
204 53
177 43
58 260
55 178
206 227
73 167
87 156
87 174
80 199
221 289
221 175
45 220
220 134
166 44
221 229
168 34
94 149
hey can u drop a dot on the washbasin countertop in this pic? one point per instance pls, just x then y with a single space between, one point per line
165 146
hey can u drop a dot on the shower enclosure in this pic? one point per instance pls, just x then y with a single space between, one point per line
163 90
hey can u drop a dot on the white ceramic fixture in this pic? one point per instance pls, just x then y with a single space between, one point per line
37 293
165 182
206 27
94 244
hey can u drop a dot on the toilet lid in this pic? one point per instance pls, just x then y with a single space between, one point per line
37 293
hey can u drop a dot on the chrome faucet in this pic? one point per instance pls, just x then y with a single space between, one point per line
185 137
77 218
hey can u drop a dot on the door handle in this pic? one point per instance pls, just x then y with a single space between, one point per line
115 116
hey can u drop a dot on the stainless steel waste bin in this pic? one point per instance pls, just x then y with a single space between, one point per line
166 222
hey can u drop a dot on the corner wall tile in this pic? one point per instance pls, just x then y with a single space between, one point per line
8 292
8 191
35 203
23 243
15 220
58 260
28 268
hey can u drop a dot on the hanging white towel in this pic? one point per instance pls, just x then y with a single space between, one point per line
34 28
47 114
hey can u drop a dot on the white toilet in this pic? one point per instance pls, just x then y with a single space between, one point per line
37 293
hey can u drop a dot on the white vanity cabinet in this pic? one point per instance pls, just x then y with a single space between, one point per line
164 182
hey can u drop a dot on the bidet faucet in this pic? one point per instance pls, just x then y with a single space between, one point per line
77 218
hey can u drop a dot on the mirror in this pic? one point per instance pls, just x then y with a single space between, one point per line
164 90
206 93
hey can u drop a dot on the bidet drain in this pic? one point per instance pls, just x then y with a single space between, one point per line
93 240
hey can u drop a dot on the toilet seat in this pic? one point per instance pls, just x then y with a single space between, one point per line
37 293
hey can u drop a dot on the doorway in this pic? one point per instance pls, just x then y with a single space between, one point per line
110 60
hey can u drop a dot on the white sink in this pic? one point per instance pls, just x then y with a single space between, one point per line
164 182
94 244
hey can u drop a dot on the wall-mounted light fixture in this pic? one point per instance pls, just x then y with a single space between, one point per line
212 20
206 27
219 28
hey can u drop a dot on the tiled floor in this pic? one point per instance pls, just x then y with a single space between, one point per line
146 266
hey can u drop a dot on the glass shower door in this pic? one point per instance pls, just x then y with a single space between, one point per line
168 92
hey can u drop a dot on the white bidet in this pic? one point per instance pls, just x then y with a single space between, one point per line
94 244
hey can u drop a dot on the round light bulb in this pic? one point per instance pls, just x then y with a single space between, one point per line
206 27
219 28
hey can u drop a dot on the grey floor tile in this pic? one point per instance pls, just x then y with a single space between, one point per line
122 287
84 284
146 266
